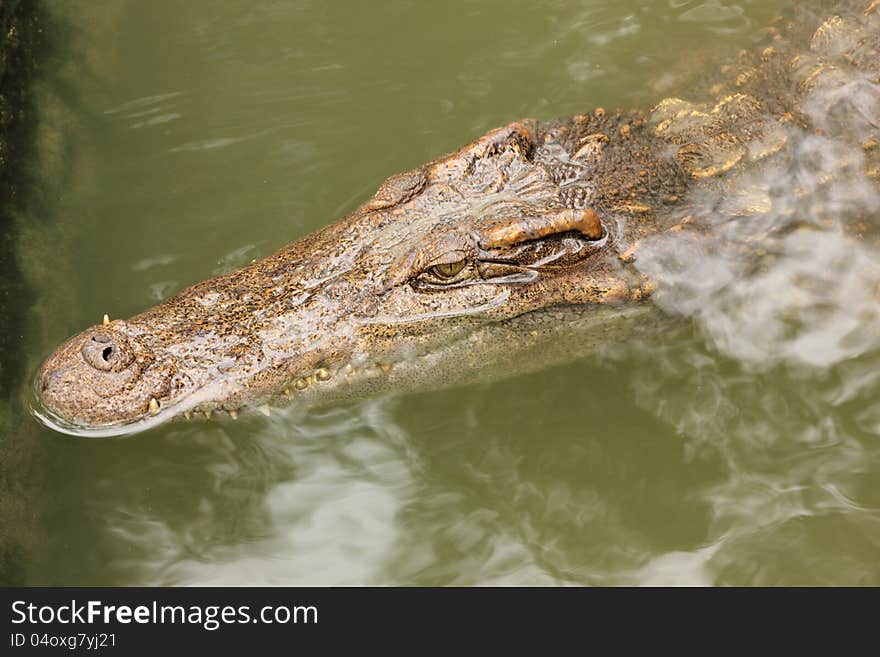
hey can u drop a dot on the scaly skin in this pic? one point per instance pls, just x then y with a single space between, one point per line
512 253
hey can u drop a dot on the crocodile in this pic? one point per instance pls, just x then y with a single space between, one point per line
516 251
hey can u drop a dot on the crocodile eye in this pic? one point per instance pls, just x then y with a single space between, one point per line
447 269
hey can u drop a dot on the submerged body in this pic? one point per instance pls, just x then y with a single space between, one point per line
517 251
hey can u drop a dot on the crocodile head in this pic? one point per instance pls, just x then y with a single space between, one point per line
510 254
448 273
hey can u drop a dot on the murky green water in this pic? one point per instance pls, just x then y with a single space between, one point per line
186 138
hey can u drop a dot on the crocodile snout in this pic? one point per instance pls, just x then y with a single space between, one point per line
102 376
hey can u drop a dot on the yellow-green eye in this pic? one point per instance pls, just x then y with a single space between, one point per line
447 269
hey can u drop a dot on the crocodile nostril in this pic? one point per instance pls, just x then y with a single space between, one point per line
106 353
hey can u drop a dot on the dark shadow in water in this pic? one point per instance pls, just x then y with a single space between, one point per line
25 56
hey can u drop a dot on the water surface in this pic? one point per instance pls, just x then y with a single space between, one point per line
183 139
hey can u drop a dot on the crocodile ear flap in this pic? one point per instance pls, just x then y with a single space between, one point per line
510 232
515 138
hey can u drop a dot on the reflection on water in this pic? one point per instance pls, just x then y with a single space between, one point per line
311 500
741 445
798 500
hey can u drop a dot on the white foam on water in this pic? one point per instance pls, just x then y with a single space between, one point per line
778 379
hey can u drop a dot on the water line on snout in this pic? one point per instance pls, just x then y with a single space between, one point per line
55 422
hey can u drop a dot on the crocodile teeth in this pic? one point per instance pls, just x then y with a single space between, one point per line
233 414
287 392
265 410
154 405
208 415
106 319
322 374
187 416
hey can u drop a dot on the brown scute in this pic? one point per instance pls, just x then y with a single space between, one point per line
511 232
